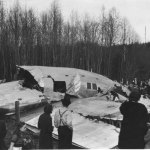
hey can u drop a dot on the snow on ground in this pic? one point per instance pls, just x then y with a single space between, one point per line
87 133
53 96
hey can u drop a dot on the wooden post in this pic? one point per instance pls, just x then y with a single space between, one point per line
17 111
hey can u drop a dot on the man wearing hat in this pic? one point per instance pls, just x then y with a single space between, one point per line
63 121
134 124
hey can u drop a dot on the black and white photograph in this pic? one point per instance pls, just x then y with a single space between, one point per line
74 74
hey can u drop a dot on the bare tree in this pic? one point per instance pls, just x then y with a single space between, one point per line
56 31
2 34
112 32
14 26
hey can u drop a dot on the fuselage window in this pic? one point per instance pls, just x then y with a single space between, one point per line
94 86
88 85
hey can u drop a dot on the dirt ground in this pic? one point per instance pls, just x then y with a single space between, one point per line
11 127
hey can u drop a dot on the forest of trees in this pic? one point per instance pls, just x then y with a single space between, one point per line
107 45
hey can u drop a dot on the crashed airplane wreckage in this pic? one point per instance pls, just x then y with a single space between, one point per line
52 82
76 82
37 83
96 119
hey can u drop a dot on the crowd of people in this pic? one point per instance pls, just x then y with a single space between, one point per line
114 92
133 127
143 87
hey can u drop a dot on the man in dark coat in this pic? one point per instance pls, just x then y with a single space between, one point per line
2 133
46 128
134 124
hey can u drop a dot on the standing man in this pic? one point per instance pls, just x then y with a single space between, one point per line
99 90
63 121
114 94
134 124
46 128
2 132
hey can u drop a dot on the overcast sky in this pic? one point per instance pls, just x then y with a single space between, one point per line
136 11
